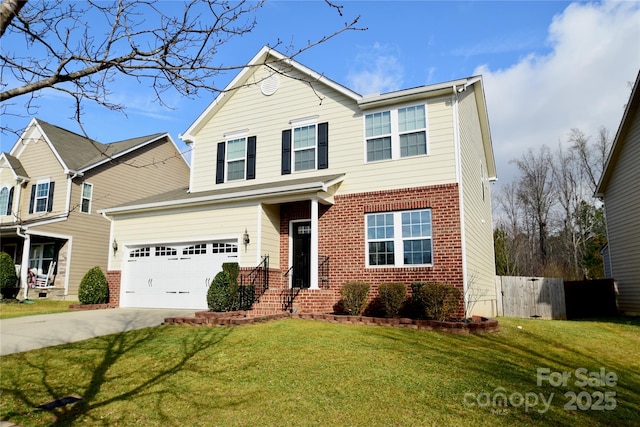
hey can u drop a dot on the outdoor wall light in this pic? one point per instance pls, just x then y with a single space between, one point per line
114 245
245 238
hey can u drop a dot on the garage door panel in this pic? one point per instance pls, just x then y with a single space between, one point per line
174 276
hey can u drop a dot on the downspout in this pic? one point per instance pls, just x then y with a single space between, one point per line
459 178
111 239
71 175
24 266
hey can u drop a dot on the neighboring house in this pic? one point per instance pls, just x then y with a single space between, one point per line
52 184
327 185
619 187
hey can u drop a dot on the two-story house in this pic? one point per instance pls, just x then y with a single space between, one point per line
52 184
327 185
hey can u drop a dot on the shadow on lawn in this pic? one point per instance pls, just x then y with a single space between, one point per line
112 348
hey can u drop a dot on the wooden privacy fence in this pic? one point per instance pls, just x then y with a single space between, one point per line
531 297
553 298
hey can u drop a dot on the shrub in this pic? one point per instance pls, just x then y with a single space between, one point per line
93 287
232 270
354 296
219 297
440 300
392 295
8 277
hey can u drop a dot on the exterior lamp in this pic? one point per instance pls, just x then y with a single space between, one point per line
245 238
114 245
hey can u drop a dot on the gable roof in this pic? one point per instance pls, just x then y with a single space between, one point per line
270 57
623 129
16 167
77 153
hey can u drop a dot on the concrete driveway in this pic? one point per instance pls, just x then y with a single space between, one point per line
32 332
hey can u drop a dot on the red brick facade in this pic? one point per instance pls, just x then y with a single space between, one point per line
113 281
341 231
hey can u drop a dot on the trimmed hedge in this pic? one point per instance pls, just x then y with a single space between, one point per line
392 296
355 296
8 277
93 287
219 296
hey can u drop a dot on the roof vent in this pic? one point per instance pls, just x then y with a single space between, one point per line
270 85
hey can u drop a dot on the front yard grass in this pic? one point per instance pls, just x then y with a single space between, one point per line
302 372
17 308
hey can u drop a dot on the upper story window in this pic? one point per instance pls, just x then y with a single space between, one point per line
305 146
399 239
87 194
236 158
396 133
4 201
41 196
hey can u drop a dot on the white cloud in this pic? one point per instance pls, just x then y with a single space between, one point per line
582 83
377 70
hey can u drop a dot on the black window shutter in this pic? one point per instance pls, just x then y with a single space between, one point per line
50 201
251 157
10 204
220 163
286 152
33 198
323 145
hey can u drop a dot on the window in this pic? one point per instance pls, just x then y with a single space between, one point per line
4 201
221 248
236 152
87 193
42 197
140 253
200 248
396 134
165 251
304 148
237 157
399 238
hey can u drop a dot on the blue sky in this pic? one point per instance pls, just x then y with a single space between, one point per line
548 66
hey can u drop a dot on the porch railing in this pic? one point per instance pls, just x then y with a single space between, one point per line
258 278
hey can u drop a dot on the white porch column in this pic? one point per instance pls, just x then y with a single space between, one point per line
24 268
314 243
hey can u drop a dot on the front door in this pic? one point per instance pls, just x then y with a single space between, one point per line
301 254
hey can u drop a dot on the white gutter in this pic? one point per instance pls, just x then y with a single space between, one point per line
111 239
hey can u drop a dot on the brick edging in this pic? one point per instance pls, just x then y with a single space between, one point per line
237 318
78 307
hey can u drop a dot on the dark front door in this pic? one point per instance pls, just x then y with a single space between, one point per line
301 254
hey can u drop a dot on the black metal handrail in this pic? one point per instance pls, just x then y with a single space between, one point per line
258 278
287 297
323 272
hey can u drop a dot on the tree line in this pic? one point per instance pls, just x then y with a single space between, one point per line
548 222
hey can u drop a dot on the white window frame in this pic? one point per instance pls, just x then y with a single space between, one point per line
232 137
298 124
395 131
397 239
82 198
46 197
5 204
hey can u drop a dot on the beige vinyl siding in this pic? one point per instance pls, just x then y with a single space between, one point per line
267 116
622 206
186 225
478 233
150 170
41 164
270 237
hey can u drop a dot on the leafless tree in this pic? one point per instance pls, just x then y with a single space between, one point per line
79 48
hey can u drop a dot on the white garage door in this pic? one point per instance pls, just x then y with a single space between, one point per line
173 275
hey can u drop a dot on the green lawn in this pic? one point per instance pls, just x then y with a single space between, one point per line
17 308
303 372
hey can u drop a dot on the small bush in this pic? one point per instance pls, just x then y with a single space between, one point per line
219 297
8 277
354 296
93 288
440 301
392 296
